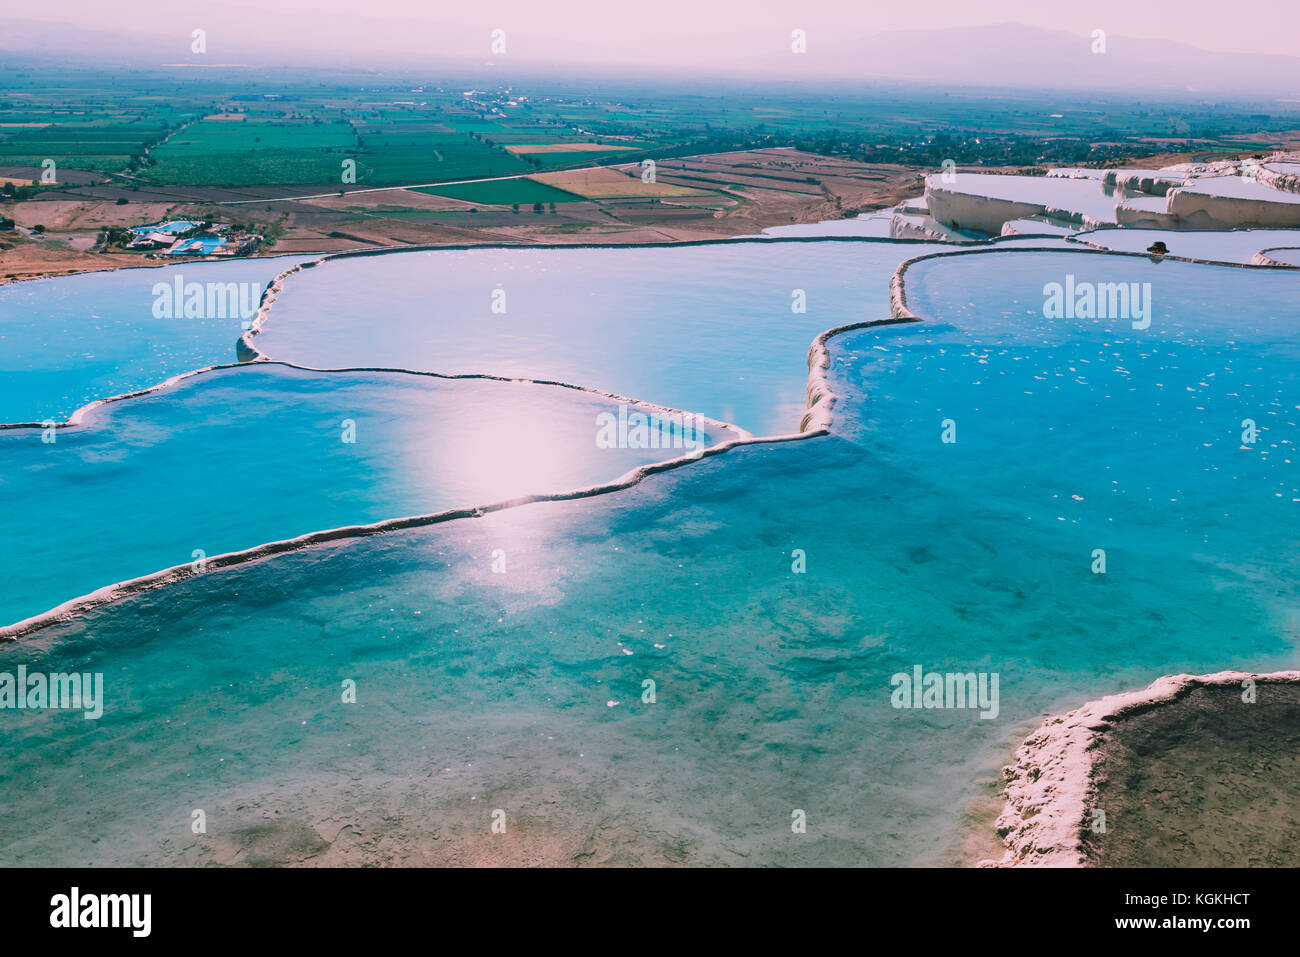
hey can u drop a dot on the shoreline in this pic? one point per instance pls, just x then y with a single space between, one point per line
156 264
898 282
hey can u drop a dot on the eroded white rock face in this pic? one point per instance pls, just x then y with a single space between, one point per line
1155 182
1227 202
985 202
1146 212
1282 256
1225 194
911 219
1282 173
1074 172
984 214
904 226
1050 786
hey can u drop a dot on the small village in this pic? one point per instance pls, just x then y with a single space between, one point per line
184 237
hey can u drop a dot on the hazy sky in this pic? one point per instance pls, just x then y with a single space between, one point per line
719 33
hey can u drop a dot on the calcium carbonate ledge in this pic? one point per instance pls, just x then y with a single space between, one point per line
1276 178
988 214
118 590
1262 258
1152 182
898 286
249 352
816 418
1197 205
1051 787
1079 238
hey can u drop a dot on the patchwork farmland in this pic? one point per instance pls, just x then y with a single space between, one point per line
322 161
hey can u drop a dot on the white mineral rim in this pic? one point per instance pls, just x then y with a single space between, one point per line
1051 787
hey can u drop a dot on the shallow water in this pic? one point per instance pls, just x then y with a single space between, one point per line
1230 246
1030 226
235 458
524 691
69 340
1288 257
864 224
709 328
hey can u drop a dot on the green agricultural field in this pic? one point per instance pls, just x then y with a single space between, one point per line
407 154
504 192
546 161
239 136
249 152
414 214
80 122
76 145
470 123
159 124
263 167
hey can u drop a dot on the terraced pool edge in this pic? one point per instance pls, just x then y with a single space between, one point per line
1051 785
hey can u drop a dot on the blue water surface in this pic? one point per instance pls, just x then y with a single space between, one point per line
69 340
768 594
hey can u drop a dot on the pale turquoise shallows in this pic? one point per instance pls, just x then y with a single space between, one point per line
720 328
235 458
526 691
1229 245
67 341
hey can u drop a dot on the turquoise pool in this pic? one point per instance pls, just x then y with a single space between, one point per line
235 458
525 690
67 341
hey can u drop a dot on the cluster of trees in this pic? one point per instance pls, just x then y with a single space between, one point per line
964 148
17 193
115 236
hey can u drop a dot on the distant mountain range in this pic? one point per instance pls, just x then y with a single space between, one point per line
1008 54
1015 55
